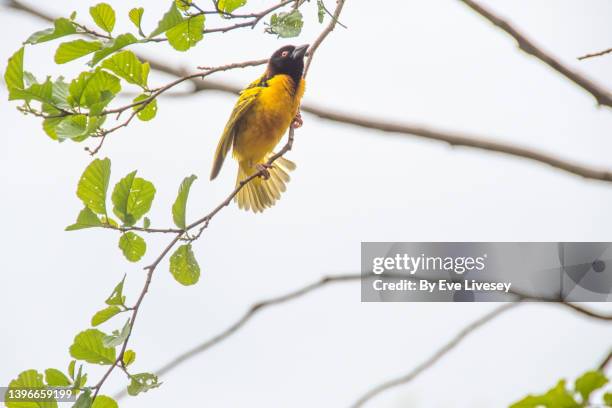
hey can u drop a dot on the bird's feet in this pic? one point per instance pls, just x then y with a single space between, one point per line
297 121
263 169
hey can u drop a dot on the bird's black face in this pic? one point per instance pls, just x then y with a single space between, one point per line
288 60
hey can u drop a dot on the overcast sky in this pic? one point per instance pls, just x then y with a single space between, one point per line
433 63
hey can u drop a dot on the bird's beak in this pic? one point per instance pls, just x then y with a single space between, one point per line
299 52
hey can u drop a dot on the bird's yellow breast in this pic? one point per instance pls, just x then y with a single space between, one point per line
264 125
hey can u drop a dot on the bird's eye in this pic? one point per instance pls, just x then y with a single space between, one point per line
284 53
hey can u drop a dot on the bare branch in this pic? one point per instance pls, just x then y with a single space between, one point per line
330 27
605 362
433 359
321 283
596 54
602 95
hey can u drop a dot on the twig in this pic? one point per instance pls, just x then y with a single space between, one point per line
595 54
433 359
605 362
602 95
330 27
319 284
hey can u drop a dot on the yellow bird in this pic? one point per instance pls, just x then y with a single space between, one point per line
262 115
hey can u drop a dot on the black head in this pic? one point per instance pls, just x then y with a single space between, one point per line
288 60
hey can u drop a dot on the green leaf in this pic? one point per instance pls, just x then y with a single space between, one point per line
49 126
56 378
94 184
135 15
117 298
29 379
608 398
71 368
72 50
320 10
149 111
88 346
142 382
86 219
62 27
183 4
126 65
13 76
146 222
589 382
71 127
113 45
38 92
172 18
118 337
60 93
286 24
90 88
132 198
129 357
104 314
184 266
228 6
133 246
84 400
102 401
104 16
180 204
187 33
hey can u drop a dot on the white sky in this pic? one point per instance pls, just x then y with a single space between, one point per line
429 62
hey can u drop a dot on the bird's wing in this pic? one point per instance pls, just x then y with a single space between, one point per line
247 97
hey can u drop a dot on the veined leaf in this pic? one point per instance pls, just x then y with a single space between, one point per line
86 219
230 5
172 18
38 92
132 198
116 44
72 50
126 65
184 266
104 16
135 15
180 204
133 246
187 33
286 24
13 76
29 379
148 112
104 314
87 346
56 378
94 184
103 401
88 88
60 93
62 27
49 126
71 127
117 298
142 382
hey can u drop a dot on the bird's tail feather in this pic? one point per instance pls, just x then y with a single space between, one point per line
259 193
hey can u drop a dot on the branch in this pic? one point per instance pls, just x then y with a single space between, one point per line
605 362
407 129
321 283
600 94
330 27
595 54
433 359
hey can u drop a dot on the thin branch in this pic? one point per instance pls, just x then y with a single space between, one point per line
319 284
330 27
605 362
602 95
433 359
595 54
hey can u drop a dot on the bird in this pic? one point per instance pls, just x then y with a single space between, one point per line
264 111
